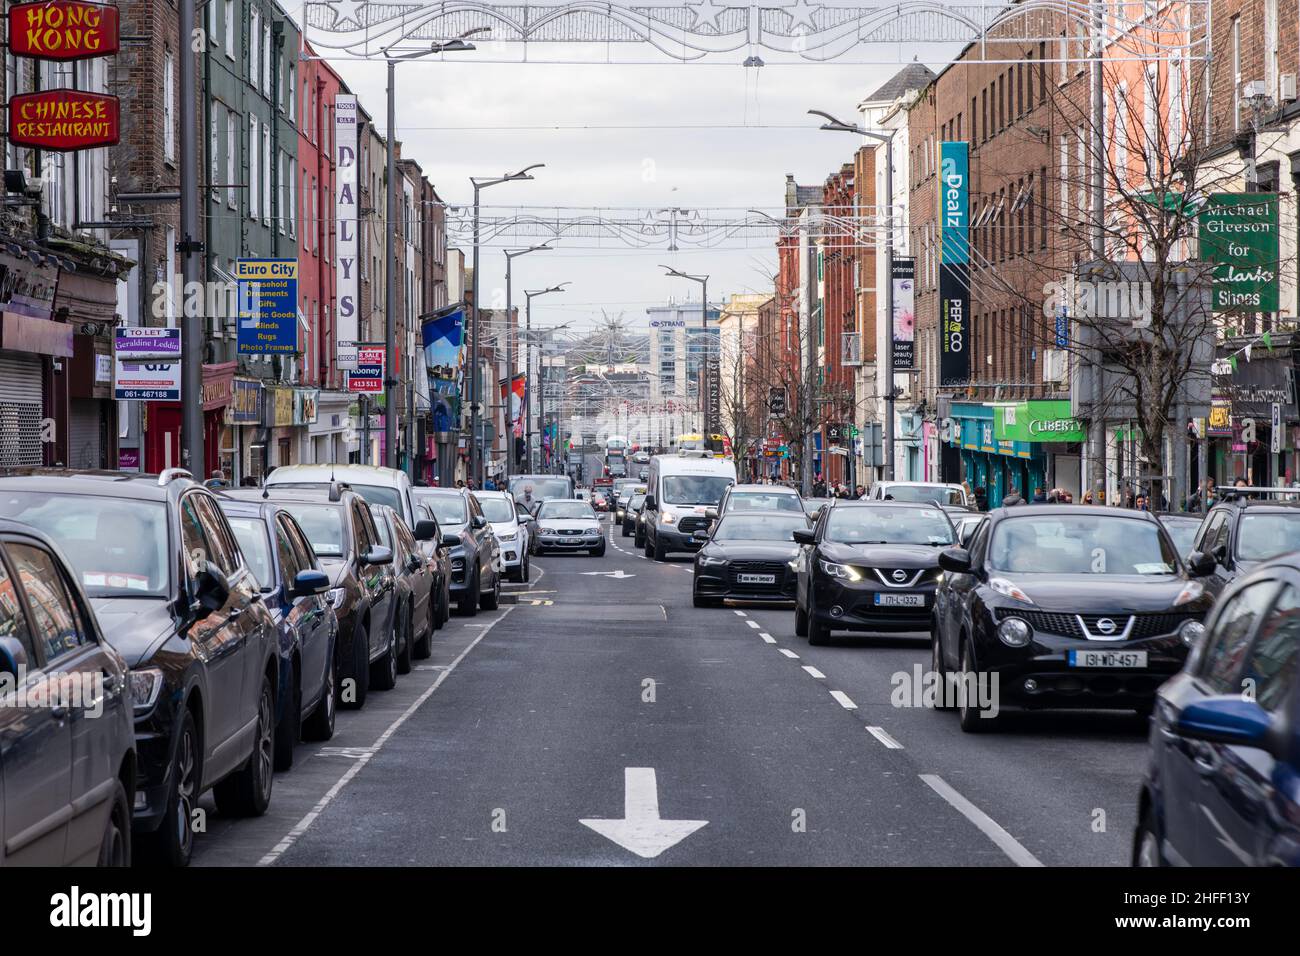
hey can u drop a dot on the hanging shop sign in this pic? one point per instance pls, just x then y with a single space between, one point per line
1048 420
246 407
64 120
1239 234
268 306
903 278
346 206
278 406
954 264
63 30
306 402
147 365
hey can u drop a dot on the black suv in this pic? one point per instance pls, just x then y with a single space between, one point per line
1242 530
475 554
342 532
174 595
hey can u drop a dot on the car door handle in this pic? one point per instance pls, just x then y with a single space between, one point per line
112 683
1205 758
58 712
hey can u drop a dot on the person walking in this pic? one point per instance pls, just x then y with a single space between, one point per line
218 479
1012 498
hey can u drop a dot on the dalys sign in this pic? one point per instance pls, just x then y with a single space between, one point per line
1037 420
63 120
1239 234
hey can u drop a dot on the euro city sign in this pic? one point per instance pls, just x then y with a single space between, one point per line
1239 235
63 30
1038 421
64 120
268 306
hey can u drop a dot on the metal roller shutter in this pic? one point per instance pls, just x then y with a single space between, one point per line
20 409
85 434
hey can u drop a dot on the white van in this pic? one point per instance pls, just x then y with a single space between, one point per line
679 490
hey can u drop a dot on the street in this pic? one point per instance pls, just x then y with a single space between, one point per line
602 690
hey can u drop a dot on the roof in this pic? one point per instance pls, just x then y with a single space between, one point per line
914 76
765 489
108 484
1053 509
364 474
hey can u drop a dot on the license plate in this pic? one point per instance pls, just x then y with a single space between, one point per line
1107 658
756 578
900 600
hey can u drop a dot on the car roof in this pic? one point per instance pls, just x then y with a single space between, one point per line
426 492
766 489
1014 511
873 503
360 474
491 493
98 482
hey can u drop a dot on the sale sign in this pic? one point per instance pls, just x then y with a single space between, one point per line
368 376
63 30
63 119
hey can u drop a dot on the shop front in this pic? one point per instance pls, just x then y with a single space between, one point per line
993 464
244 422
27 335
1049 436
281 440
1257 443
329 436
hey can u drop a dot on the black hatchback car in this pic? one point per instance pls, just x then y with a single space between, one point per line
174 595
869 566
1242 531
1064 606
747 556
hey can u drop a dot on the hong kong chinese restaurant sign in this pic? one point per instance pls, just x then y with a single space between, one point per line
62 119
63 30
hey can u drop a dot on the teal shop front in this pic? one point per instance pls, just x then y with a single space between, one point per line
996 466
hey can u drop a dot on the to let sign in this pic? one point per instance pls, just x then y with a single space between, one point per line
63 30
64 120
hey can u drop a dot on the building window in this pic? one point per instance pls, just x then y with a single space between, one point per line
292 99
266 59
266 174
169 107
254 188
292 210
1236 74
214 154
232 160
254 44
228 11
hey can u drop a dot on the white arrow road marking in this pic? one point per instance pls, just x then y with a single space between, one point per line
641 830
618 575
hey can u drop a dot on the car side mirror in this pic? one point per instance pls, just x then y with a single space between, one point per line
1230 719
413 563
13 656
805 536
650 503
425 529
1200 564
212 589
1220 554
378 555
479 521
956 560
701 536
450 540
711 514
310 581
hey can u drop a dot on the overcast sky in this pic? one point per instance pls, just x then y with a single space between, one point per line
755 131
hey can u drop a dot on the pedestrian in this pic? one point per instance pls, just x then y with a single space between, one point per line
218 479
489 485
859 491
1012 498
248 481
1087 497
981 498
1040 495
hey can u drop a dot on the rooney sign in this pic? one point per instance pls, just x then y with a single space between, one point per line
63 30
64 119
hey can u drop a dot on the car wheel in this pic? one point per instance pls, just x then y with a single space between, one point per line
937 668
115 845
286 730
247 791
800 621
360 673
702 601
383 672
467 606
599 552
320 725
173 842
819 634
424 646
408 642
492 600
972 719
661 551
625 532
1146 842
527 571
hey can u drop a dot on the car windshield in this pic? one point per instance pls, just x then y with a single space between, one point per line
448 509
497 509
251 535
118 546
925 493
885 525
694 489
636 502
763 501
543 488
1184 533
742 527
322 524
374 494
1080 544
565 509
1263 536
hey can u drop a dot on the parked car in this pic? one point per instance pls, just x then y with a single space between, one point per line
1068 606
510 531
415 581
869 566
439 557
1182 528
527 520
473 549
569 526
174 595
376 484
341 529
293 587
1222 786
628 525
67 760
747 557
1240 532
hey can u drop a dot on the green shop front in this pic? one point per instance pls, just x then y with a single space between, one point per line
1025 445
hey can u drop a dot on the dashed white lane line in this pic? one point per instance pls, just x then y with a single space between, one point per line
753 624
740 614
844 700
814 672
987 825
305 823
767 638
788 653
884 737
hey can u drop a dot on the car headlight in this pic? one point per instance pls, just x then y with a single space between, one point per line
1190 592
146 685
1190 632
1008 589
592 531
844 572
458 564
335 596
508 535
712 561
668 517
1015 632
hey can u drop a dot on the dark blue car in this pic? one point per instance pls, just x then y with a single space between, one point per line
293 587
1223 784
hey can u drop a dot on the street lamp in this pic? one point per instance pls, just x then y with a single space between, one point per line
480 183
457 45
838 126
705 408
511 463
528 366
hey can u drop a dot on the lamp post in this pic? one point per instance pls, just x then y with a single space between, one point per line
706 426
457 45
837 126
190 247
475 456
512 463
528 366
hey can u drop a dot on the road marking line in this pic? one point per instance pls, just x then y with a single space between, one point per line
844 700
788 653
814 672
768 638
884 737
305 823
753 624
740 614
988 826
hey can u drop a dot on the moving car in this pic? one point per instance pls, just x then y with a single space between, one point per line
1065 607
569 526
638 530
1222 786
67 761
175 597
531 489
293 587
679 492
747 557
622 491
927 492
415 581
758 498
869 566
510 530
1239 532
472 547
1182 528
630 513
